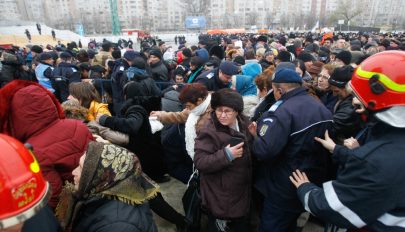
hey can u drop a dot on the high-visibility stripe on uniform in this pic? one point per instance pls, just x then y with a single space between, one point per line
390 84
339 207
391 220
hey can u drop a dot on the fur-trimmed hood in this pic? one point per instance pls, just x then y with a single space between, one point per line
26 108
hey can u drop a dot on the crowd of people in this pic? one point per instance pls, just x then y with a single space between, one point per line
277 129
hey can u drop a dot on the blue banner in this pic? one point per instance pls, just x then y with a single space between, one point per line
195 22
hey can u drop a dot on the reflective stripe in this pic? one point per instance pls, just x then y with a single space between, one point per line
338 206
390 84
391 220
306 198
310 126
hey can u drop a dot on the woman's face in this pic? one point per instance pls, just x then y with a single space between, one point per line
226 115
77 172
270 58
323 78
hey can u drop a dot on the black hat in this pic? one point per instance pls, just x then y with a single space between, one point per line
187 52
228 68
139 62
306 57
156 52
312 48
217 51
284 56
131 54
45 56
341 76
262 38
36 49
65 55
161 43
344 56
202 42
239 60
227 97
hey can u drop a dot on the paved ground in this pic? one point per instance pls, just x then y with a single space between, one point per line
173 190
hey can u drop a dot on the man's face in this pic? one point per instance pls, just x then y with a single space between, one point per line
278 92
327 43
338 92
153 59
341 43
226 79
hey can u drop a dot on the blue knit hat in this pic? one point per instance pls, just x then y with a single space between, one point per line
287 76
229 68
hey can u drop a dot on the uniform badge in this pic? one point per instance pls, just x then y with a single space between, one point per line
274 107
263 130
210 75
122 68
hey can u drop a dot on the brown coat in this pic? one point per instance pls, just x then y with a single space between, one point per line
225 185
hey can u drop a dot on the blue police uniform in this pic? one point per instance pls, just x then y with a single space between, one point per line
285 143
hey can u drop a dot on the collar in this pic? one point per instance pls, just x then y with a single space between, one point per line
295 92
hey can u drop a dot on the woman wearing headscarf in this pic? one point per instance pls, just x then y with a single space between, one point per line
109 193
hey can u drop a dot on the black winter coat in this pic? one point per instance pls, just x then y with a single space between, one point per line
211 80
12 70
346 122
135 123
62 77
159 72
102 215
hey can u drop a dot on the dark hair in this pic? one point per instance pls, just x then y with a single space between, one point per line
106 46
83 56
196 61
250 54
116 53
192 92
301 65
84 92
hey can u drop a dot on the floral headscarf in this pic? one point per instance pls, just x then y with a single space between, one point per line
110 172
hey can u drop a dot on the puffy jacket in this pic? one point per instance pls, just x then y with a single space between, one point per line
225 185
58 143
102 215
369 190
286 142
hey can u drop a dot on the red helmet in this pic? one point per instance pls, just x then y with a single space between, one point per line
23 190
379 81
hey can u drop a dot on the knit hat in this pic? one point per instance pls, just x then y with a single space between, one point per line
187 52
131 54
239 60
65 55
217 51
156 52
344 56
284 56
287 76
306 57
36 49
262 38
283 65
312 48
228 68
227 97
315 68
341 76
139 62
45 56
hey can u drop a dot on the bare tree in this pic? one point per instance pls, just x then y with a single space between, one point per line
252 18
268 19
197 7
348 10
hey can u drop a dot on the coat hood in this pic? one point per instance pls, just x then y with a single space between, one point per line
27 108
244 85
251 69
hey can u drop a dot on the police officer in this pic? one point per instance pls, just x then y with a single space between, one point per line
63 75
218 78
284 142
369 189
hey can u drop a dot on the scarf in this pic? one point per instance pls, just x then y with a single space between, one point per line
109 172
191 123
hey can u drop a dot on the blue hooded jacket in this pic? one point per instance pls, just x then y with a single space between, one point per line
245 83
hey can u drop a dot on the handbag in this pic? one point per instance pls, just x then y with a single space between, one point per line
192 201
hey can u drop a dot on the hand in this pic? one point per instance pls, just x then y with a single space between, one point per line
253 128
237 150
298 178
351 143
175 87
155 114
327 142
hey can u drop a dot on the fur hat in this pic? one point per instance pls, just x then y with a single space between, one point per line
217 51
344 56
227 97
341 76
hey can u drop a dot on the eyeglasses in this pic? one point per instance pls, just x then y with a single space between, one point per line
226 112
324 76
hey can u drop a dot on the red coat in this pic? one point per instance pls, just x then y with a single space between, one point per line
32 114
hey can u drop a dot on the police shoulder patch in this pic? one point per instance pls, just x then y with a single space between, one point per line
210 75
263 130
122 68
275 106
